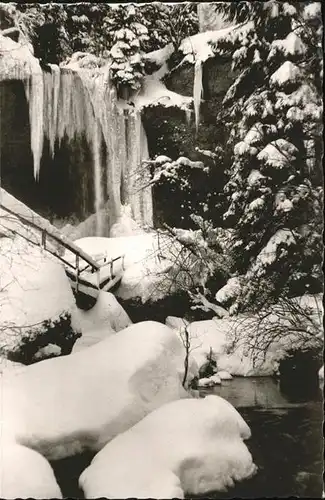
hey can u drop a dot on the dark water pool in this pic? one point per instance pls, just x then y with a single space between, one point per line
286 442
287 438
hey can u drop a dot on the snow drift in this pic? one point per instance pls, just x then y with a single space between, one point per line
63 406
36 301
26 474
228 343
191 446
104 319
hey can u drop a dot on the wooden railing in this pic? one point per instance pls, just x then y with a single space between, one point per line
48 233
55 235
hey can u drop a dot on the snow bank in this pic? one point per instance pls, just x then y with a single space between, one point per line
62 406
104 319
26 474
222 343
191 446
10 223
35 294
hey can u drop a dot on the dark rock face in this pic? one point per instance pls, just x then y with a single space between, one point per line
57 334
65 186
167 130
299 373
170 134
177 304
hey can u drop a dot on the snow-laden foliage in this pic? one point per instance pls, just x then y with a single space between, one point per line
129 36
274 115
58 30
195 187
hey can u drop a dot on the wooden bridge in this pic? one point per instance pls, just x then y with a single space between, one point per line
87 275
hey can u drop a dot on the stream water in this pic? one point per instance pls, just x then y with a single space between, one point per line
287 438
286 442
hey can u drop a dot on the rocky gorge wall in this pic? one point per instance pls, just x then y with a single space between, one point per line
171 133
60 167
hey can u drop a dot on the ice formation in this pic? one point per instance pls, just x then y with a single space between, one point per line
192 446
70 101
197 91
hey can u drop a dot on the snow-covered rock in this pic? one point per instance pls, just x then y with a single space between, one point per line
26 474
62 406
106 318
321 373
205 382
191 446
216 379
223 375
36 301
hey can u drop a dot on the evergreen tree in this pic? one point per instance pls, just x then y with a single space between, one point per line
129 35
274 115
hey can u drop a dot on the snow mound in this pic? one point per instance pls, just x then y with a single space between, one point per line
63 406
35 293
191 446
209 381
106 312
223 375
104 319
224 343
26 474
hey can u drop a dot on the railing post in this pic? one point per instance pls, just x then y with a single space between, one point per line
43 242
77 273
123 268
111 265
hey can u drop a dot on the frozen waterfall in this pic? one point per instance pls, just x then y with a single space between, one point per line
66 102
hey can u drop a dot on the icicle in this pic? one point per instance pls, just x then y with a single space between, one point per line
34 89
147 208
98 189
197 91
55 84
69 102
